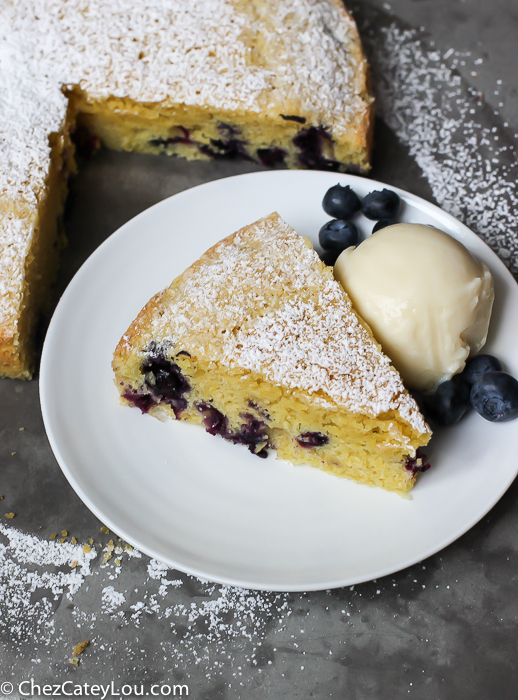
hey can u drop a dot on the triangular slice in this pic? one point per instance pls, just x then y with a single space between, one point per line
258 343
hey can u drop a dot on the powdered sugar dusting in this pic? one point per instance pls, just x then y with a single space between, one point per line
14 247
205 54
36 581
471 166
29 566
261 300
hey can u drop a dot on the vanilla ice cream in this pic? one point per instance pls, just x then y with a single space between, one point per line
425 297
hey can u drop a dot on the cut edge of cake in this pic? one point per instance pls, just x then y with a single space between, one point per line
32 239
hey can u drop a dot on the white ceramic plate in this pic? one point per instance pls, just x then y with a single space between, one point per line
211 508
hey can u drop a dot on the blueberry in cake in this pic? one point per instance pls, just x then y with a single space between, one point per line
259 344
273 81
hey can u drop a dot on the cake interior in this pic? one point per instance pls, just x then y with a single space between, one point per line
198 133
246 409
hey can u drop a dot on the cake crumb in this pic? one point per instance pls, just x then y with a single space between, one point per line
73 565
104 530
79 648
74 540
10 515
64 533
87 549
53 536
12 454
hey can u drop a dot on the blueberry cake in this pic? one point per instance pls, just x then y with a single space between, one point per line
258 343
277 82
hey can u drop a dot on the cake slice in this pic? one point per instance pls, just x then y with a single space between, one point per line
275 82
258 343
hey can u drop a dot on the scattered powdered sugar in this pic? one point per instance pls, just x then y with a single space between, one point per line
158 570
44 600
469 162
34 577
111 599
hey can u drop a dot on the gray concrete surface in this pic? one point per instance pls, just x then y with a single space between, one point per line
484 35
444 629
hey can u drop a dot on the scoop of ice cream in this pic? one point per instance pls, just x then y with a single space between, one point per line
425 297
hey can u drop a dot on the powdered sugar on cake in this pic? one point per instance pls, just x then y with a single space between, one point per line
206 54
260 301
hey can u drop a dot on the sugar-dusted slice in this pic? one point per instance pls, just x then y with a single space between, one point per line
258 343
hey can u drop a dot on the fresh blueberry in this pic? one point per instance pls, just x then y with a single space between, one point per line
421 401
479 365
450 402
338 235
341 202
329 257
381 205
495 396
383 223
